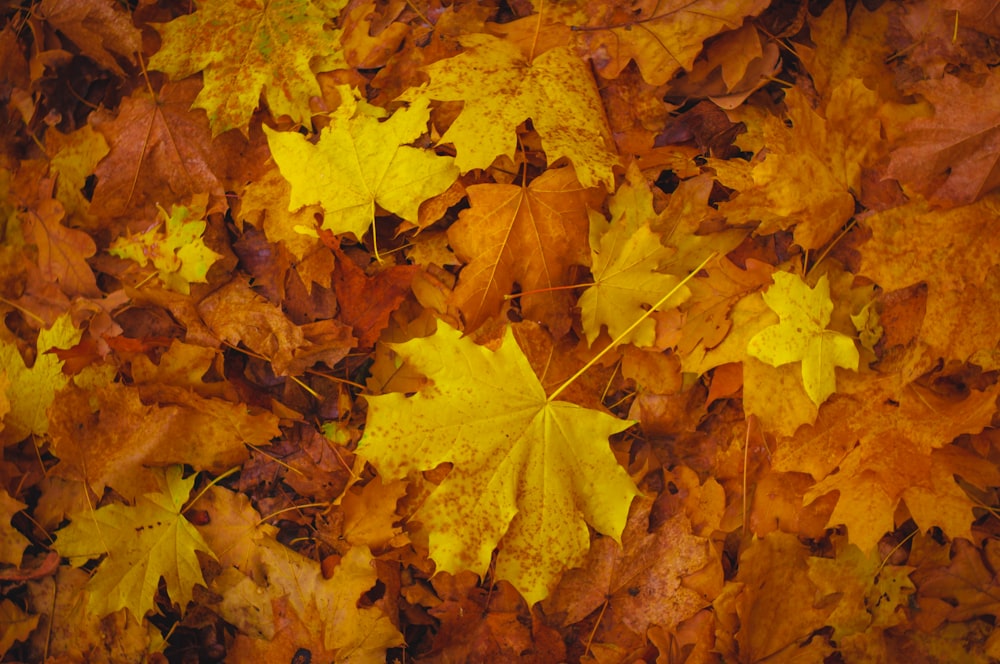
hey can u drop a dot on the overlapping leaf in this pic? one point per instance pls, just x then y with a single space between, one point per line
270 47
142 543
528 474
501 88
359 163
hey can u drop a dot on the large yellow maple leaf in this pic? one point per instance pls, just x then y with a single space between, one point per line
531 235
359 163
249 48
143 543
529 473
501 89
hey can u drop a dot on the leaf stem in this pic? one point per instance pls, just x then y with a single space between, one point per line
511 296
594 360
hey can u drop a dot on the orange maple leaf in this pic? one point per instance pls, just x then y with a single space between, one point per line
529 235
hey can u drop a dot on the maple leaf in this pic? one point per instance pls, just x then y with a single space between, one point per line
62 251
157 146
73 158
775 601
174 246
102 434
882 445
359 162
626 279
143 543
326 611
662 38
869 594
804 175
367 302
531 235
529 473
642 587
15 624
954 253
31 391
953 157
801 334
272 47
502 88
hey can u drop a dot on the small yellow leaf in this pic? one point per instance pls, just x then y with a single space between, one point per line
174 246
359 162
801 334
143 543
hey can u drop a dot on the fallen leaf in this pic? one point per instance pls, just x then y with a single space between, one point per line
801 334
30 391
486 413
529 235
953 157
804 176
237 314
143 543
661 38
359 162
273 48
157 146
501 88
367 302
100 28
627 283
174 245
12 542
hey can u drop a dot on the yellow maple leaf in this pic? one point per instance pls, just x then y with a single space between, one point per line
869 594
529 473
801 334
626 279
30 392
249 48
143 543
174 246
12 542
359 162
501 89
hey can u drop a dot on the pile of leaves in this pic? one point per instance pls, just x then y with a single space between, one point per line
414 330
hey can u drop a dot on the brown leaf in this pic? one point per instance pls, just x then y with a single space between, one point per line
98 27
367 302
953 157
160 150
526 235
236 314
